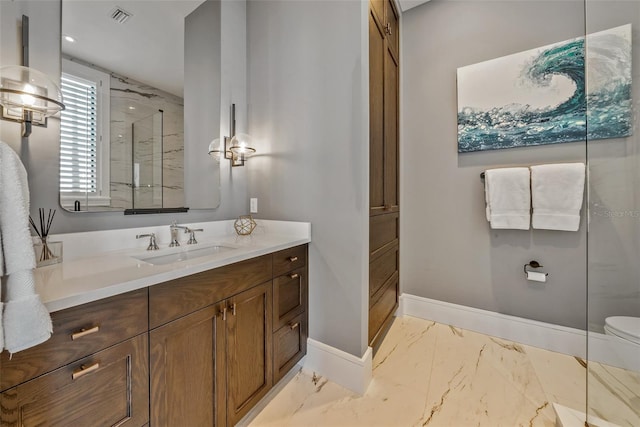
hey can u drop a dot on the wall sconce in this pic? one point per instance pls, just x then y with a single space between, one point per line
27 95
237 147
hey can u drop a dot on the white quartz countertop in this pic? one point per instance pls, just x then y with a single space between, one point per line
90 274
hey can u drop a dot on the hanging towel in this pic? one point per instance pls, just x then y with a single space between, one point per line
557 191
25 320
508 198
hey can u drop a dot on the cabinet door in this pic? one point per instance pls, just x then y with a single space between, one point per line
376 114
390 130
185 356
249 352
108 388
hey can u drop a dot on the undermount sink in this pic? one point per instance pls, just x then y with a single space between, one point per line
185 255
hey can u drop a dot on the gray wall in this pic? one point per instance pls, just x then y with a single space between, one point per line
308 111
40 152
448 251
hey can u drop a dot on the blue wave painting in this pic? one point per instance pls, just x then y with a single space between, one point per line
541 96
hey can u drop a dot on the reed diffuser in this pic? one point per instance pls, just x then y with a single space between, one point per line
46 252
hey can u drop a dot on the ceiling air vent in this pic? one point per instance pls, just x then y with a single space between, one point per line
120 15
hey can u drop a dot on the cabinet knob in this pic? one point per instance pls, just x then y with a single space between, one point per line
294 276
294 325
84 370
223 313
84 332
293 258
233 309
387 28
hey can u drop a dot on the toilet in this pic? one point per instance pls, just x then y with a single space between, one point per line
623 327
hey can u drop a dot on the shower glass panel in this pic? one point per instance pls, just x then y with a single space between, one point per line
613 153
147 155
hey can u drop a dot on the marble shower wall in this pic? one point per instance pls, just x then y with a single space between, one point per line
133 102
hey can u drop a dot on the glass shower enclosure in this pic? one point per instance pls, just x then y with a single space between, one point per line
147 154
613 193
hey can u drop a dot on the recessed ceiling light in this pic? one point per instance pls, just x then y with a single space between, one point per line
131 107
69 39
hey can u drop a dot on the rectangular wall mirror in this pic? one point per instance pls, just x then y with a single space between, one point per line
126 143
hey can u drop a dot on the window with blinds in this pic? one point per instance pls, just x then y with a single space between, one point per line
79 163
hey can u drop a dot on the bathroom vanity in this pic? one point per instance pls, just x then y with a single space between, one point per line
200 349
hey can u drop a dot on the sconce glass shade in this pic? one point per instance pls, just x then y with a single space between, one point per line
214 150
242 146
24 90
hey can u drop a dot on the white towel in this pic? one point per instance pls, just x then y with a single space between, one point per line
557 192
508 198
25 320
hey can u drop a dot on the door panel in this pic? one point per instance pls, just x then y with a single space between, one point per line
249 363
184 357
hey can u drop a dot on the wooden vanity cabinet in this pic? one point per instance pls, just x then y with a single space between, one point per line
209 367
290 309
201 351
93 371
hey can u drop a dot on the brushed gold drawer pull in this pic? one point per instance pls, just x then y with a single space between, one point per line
84 370
84 332
224 313
233 309
294 276
293 258
294 326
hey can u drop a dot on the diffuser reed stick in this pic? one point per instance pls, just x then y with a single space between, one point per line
43 232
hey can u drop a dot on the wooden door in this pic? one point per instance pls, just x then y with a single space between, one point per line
186 355
108 388
384 166
249 352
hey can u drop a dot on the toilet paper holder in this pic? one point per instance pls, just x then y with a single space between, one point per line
533 264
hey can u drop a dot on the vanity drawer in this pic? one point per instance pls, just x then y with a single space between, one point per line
289 297
176 298
78 332
289 259
289 346
108 388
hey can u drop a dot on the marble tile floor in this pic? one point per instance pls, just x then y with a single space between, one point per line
430 374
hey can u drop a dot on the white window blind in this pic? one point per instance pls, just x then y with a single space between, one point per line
79 136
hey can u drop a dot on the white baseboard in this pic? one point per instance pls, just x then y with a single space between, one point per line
338 366
531 332
561 339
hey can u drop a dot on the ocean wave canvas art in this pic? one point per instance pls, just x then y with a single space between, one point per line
544 96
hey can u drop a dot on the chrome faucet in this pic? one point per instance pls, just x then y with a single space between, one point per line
192 235
174 234
152 241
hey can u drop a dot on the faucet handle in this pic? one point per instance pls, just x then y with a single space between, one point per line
152 241
192 235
